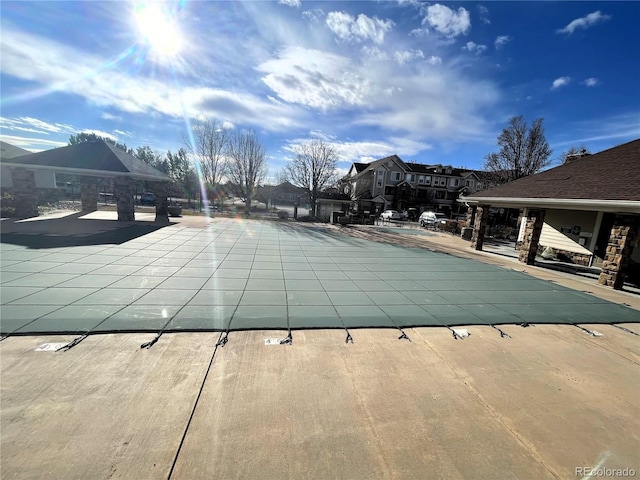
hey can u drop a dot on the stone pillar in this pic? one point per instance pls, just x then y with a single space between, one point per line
531 238
24 192
471 216
622 238
160 190
479 226
124 192
89 193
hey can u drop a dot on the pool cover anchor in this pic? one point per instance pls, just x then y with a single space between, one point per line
72 343
403 336
613 325
152 342
526 324
593 333
502 332
349 337
288 340
459 334
223 340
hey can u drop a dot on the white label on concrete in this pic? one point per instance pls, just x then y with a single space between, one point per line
50 347
272 341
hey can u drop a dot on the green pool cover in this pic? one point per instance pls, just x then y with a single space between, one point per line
267 275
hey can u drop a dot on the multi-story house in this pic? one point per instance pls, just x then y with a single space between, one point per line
391 183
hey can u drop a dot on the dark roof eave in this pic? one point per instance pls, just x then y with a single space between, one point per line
90 172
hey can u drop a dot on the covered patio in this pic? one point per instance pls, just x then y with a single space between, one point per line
90 161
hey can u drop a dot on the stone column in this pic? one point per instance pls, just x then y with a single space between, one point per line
89 194
622 238
160 190
24 192
471 216
531 238
124 191
479 226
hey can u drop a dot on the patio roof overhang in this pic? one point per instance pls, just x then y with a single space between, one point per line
616 206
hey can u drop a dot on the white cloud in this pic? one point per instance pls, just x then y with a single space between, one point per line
447 21
591 82
290 3
110 116
483 12
473 47
315 79
419 32
100 133
560 82
408 55
34 125
348 28
584 22
32 58
313 16
501 41
374 53
434 60
32 144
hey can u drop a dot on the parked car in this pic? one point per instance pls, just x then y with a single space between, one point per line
390 215
432 219
147 199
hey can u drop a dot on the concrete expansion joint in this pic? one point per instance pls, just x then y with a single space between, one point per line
625 329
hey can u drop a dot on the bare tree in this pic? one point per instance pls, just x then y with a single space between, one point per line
523 151
209 145
313 168
246 165
572 154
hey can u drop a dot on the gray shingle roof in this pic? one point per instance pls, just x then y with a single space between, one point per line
612 174
90 158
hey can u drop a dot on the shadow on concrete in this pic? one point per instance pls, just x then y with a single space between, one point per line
72 231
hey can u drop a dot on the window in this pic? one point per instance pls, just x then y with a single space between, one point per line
451 195
395 176
439 181
421 179
427 180
440 194
469 183
410 177
380 179
390 190
455 182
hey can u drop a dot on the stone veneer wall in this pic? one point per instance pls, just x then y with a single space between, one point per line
479 227
89 193
25 193
530 241
124 191
160 189
624 233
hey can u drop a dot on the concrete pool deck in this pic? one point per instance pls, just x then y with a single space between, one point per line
541 403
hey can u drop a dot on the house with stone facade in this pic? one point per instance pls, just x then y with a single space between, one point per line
391 183
588 209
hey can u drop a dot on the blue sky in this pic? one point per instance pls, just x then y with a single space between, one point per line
430 82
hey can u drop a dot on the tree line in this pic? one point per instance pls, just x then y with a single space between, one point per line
213 154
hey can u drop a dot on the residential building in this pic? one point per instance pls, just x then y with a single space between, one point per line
391 183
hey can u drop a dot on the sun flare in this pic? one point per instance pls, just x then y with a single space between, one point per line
157 29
